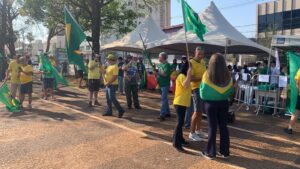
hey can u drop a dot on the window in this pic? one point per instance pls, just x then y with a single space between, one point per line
262 23
278 20
130 3
296 19
88 48
270 22
286 20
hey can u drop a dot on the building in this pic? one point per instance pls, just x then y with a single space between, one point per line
280 17
160 13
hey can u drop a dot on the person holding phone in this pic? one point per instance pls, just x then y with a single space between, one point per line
93 80
26 72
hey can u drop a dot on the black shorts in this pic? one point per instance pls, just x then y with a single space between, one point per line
198 104
26 88
48 83
94 85
80 73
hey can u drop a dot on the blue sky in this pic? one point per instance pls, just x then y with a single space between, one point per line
240 13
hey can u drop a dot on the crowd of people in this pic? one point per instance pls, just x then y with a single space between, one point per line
199 89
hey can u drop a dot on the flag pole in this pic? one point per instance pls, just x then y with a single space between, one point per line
186 41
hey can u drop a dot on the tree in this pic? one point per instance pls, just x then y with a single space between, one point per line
30 39
9 12
97 16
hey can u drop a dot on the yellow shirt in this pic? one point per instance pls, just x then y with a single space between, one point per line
93 73
26 78
198 69
13 68
182 95
111 71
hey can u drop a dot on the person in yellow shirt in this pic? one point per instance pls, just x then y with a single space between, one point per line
111 83
13 74
199 69
94 80
293 120
182 100
26 72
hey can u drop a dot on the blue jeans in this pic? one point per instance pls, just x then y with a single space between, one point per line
111 99
165 109
188 116
121 83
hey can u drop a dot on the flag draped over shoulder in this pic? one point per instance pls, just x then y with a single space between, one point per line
192 21
74 37
47 66
294 66
12 104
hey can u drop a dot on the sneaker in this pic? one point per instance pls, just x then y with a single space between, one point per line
29 106
168 115
185 143
96 103
138 107
220 155
288 131
180 149
195 137
201 134
121 113
90 104
207 156
161 119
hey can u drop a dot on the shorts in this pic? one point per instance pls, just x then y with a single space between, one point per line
48 83
26 88
198 104
94 85
298 103
80 73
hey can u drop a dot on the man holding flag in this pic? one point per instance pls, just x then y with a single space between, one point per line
294 107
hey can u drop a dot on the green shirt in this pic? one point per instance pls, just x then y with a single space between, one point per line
264 71
166 68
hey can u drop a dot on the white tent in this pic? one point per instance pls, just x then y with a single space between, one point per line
132 42
221 36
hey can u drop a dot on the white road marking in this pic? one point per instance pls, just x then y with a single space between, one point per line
129 129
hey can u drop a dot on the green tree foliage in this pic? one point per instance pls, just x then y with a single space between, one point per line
105 17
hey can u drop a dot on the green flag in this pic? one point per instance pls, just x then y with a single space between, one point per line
294 66
48 68
74 37
192 21
12 104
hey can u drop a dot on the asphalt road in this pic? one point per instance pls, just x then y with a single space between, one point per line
67 134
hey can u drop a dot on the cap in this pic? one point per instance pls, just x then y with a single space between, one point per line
111 57
201 48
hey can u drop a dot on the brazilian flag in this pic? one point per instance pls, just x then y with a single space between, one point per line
212 92
192 21
74 37
12 104
48 68
294 61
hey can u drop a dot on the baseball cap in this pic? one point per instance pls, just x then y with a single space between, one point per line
111 57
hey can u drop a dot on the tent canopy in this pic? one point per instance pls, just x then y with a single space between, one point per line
132 42
221 34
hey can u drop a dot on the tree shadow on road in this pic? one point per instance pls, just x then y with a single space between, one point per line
44 115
